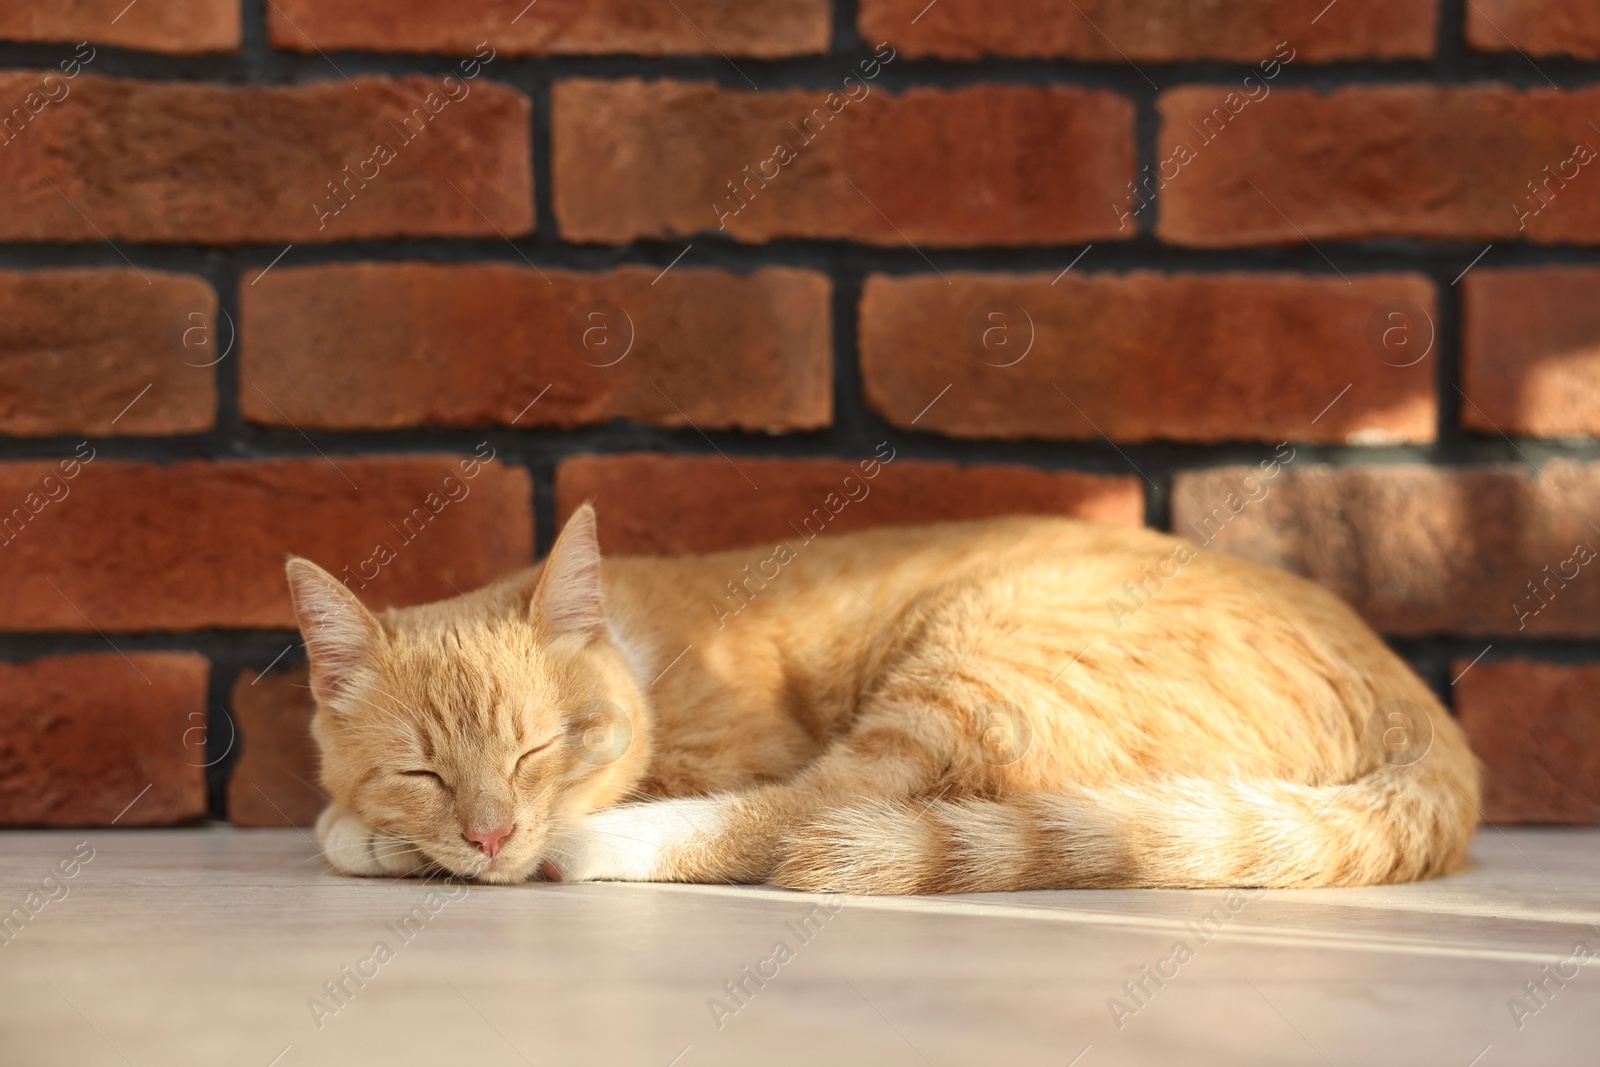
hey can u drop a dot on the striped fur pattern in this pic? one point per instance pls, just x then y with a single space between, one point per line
1025 703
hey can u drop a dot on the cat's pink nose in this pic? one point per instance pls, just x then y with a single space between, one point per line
488 841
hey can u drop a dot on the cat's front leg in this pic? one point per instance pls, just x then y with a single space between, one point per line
355 848
651 842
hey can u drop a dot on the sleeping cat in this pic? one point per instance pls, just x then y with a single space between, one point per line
1018 704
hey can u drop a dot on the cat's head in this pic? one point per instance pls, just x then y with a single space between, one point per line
472 726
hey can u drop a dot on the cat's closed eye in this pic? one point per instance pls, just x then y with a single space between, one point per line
423 774
534 751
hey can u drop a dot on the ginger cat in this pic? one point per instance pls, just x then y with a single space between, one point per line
1019 704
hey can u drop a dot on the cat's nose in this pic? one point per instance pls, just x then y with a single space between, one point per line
488 841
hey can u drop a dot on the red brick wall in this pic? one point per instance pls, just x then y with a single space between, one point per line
395 284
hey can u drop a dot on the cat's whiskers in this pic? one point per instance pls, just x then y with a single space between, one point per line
318 855
408 729
383 729
394 698
388 713
635 793
543 794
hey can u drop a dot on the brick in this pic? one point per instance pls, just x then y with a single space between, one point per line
214 164
1538 27
176 27
996 355
992 164
107 352
83 737
273 781
553 27
1160 31
136 546
1530 351
1536 727
651 504
1441 162
374 346
1419 550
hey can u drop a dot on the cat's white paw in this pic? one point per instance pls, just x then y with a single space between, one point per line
632 842
355 848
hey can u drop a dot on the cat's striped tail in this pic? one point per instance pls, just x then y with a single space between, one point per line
1396 824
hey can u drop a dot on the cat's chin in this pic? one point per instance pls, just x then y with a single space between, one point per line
503 871
509 875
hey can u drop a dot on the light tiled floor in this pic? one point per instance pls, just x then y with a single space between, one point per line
211 947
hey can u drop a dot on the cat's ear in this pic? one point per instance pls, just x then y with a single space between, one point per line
567 599
340 633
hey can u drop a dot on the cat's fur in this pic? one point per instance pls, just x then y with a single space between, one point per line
952 708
